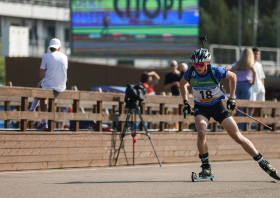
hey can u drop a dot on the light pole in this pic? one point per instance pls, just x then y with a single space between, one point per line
256 7
278 32
278 24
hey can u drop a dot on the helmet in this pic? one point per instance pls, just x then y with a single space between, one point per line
200 55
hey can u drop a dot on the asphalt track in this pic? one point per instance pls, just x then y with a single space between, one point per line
232 179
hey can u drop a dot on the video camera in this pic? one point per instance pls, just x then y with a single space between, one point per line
134 93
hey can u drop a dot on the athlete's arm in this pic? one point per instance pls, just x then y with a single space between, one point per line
183 89
232 83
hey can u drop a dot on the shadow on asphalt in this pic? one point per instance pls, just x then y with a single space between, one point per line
121 182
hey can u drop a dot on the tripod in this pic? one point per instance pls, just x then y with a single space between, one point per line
133 110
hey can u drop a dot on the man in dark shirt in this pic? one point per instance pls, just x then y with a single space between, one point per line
172 79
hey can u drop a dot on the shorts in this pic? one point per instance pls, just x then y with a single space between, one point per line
216 111
55 93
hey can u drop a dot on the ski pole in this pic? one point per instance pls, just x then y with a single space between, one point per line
253 118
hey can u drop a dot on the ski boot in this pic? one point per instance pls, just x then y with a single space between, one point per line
269 169
206 171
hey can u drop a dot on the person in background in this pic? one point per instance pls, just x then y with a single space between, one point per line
172 79
258 89
183 68
246 77
147 81
53 74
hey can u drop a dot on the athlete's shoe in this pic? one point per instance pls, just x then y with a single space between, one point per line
206 171
269 169
42 126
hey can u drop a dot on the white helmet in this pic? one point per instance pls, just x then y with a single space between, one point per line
200 55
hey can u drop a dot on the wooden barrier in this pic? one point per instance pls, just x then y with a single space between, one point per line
88 99
42 150
28 149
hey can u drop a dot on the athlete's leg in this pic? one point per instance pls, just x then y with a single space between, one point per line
201 123
201 126
231 127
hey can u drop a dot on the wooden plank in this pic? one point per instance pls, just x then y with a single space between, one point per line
256 104
142 111
246 128
7 108
15 91
23 166
149 110
49 158
51 122
76 109
119 97
99 111
24 106
260 126
54 151
165 99
121 111
273 115
58 116
181 124
162 112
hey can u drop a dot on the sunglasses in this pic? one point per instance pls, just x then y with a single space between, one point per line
172 65
196 65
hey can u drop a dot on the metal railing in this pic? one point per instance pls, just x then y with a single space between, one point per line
38 48
223 55
51 3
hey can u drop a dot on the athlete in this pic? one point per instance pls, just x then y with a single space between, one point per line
207 93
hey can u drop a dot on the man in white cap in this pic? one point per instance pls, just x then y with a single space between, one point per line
53 74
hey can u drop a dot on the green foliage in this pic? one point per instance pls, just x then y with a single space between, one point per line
2 71
219 21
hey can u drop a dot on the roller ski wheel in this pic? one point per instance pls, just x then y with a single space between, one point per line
270 170
195 178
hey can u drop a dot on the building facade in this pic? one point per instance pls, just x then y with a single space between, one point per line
45 20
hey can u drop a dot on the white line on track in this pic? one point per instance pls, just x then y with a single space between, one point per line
110 168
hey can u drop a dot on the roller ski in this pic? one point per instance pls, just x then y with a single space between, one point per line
206 173
270 170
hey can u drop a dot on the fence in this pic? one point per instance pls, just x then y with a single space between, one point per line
156 108
52 3
24 148
228 54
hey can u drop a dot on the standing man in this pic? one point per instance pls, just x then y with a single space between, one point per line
172 79
207 94
258 89
53 73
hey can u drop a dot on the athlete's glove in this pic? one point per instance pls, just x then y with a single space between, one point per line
231 104
186 109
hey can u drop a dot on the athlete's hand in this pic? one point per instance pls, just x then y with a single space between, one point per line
231 104
186 109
